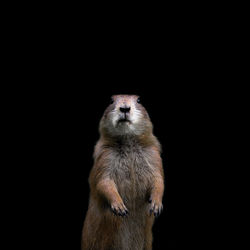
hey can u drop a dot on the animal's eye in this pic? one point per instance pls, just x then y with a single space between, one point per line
111 100
138 100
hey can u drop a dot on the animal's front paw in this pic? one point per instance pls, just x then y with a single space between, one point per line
118 208
156 207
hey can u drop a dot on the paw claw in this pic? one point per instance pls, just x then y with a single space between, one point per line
119 209
156 208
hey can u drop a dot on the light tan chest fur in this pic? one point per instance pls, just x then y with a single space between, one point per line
132 168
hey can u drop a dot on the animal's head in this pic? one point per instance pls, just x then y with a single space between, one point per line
125 116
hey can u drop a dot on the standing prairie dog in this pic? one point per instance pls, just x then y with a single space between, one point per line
126 181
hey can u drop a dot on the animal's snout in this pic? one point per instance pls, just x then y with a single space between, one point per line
124 109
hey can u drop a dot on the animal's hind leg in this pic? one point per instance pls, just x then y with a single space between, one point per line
148 242
148 234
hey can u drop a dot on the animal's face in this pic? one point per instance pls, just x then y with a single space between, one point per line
125 115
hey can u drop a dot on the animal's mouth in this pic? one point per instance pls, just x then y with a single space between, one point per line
123 120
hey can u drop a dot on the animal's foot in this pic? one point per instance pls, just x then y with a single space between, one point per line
118 208
156 207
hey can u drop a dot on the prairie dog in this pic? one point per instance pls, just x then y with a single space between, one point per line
126 181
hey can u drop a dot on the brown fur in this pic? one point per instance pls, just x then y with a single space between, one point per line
126 175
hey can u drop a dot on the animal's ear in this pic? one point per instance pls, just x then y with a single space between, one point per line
112 98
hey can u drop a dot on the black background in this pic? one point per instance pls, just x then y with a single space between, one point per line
67 82
64 109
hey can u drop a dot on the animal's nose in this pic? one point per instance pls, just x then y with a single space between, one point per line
124 109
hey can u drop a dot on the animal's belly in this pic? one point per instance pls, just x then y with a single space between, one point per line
134 190
133 175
